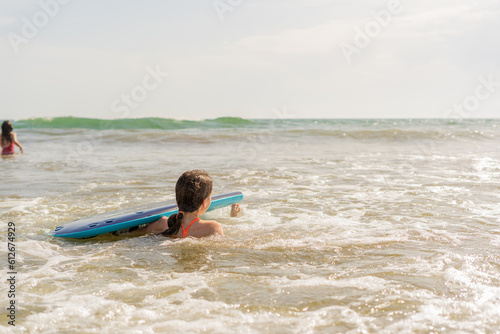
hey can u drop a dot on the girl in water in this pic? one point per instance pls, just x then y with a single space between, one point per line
193 193
8 139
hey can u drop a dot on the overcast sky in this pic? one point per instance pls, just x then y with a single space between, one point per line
199 59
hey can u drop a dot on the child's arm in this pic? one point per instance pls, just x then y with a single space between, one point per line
235 209
155 227
14 139
152 228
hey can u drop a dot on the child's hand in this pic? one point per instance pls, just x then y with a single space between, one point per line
235 209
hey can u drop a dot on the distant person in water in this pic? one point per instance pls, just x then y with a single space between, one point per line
193 193
9 138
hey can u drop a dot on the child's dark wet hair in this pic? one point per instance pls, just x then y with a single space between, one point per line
6 130
192 188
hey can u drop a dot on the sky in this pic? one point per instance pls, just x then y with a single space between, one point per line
203 59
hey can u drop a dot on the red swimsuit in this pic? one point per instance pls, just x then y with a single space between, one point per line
9 149
185 230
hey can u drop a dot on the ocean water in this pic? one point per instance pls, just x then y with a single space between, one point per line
348 226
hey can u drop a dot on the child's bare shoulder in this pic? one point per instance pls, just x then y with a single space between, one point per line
211 227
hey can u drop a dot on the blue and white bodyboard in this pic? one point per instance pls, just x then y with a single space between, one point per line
123 219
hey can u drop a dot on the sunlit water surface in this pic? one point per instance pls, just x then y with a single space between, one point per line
352 227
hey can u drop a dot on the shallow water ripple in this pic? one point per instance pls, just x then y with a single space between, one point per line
377 231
